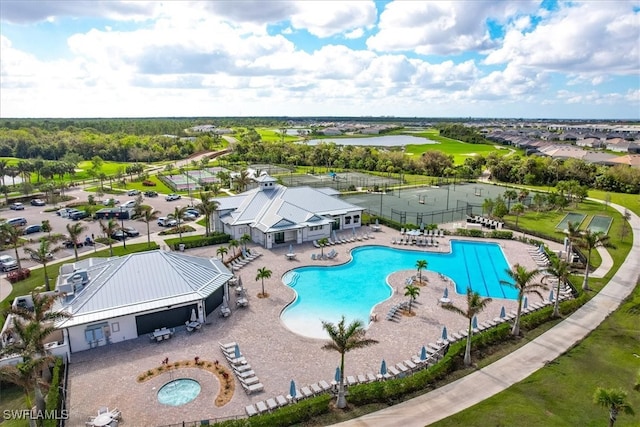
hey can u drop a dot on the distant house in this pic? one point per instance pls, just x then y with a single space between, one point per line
122 298
590 143
274 214
631 160
620 145
331 131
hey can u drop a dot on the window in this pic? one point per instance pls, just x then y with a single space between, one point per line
356 219
347 220
115 327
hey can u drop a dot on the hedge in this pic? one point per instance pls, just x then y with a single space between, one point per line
53 396
198 241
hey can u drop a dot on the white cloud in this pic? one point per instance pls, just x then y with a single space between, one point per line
325 19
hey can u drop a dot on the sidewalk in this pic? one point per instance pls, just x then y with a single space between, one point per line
605 266
454 397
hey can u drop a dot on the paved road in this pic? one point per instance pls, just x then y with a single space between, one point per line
455 397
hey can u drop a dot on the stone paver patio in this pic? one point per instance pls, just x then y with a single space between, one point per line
107 376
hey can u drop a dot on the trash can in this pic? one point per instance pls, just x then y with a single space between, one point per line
181 247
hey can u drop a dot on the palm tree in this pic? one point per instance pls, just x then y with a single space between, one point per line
475 305
510 195
344 339
559 269
242 180
613 399
412 292
517 210
522 282
75 230
13 235
263 273
244 239
108 229
322 242
42 254
421 264
222 251
207 207
177 214
233 244
149 215
589 240
26 375
573 233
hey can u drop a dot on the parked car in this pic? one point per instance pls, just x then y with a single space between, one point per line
64 212
133 192
69 244
38 202
77 215
48 256
151 194
35 228
194 212
108 202
119 235
131 232
163 221
7 263
17 222
189 216
128 205
172 197
17 206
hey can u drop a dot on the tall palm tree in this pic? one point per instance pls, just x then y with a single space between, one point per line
615 400
13 235
177 214
523 283
475 305
421 264
108 229
233 244
244 239
510 195
322 242
42 255
573 234
149 215
222 251
242 180
589 240
343 340
75 230
559 269
517 210
263 273
3 170
412 292
26 375
207 207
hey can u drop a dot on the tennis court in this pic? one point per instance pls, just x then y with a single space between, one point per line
573 218
600 223
270 169
338 180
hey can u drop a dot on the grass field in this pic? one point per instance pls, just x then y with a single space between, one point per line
561 394
273 135
458 149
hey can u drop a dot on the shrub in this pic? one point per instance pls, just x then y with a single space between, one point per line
501 234
18 275
53 396
199 241
148 183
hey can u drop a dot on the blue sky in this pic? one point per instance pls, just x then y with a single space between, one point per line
524 59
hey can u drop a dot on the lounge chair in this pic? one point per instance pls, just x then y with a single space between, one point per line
241 368
271 404
254 388
324 385
306 392
313 257
249 380
250 410
362 379
391 370
351 380
261 407
245 374
230 346
315 388
370 377
281 400
409 364
316 244
402 368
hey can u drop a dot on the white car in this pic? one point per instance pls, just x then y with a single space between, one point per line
163 221
172 197
133 192
7 263
129 204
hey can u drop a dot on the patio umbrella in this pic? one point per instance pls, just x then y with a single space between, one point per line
526 303
353 231
444 333
446 293
503 313
236 352
551 295
292 389
383 368
335 236
337 375
474 322
377 223
193 317
290 249
423 353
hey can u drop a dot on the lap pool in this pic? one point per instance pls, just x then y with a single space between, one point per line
354 288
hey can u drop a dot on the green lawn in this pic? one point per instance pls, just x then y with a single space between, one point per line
273 135
160 187
561 394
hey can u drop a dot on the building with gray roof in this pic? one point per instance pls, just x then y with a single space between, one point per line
274 214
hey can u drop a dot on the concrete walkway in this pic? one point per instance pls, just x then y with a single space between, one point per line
455 397
605 266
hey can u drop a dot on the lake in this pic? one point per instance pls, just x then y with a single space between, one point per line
377 141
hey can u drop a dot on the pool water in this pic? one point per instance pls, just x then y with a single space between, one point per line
353 289
179 392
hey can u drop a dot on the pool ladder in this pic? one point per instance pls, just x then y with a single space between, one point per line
291 279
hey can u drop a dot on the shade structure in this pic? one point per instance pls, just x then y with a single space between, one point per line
525 304
474 322
423 353
236 352
292 389
551 295
193 317
383 368
336 377
503 313
444 333
446 293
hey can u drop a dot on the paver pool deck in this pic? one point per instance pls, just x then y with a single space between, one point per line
107 376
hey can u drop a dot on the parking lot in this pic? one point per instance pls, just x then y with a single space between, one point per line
36 214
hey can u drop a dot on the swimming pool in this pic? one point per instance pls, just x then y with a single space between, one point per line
354 288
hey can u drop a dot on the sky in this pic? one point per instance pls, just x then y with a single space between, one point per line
474 58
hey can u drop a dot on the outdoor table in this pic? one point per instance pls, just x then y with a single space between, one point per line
102 420
163 333
290 256
242 302
193 325
225 311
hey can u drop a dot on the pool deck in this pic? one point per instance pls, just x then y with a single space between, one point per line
106 376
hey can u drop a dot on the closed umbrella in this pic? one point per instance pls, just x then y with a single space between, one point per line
383 368
292 389
526 303
236 352
446 293
353 231
337 375
474 322
290 249
377 222
551 295
444 333
423 353
193 317
335 236
503 313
